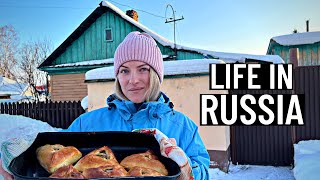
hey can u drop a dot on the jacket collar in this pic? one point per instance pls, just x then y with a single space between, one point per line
154 110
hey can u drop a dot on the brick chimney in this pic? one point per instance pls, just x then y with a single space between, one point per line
133 14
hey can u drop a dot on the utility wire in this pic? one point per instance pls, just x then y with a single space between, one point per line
43 7
139 10
60 7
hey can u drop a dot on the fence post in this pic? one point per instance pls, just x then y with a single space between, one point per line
1 108
57 114
60 115
53 113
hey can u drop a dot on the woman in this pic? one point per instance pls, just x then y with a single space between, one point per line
138 103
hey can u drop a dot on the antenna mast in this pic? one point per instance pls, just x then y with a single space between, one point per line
173 19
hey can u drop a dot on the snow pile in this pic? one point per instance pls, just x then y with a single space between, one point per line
298 38
180 67
251 172
15 126
306 160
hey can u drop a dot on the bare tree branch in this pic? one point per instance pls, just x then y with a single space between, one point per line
31 55
8 48
20 63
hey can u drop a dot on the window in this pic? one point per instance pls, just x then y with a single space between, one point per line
108 34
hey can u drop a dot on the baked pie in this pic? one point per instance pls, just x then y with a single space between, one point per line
52 157
99 157
67 172
141 171
105 171
145 160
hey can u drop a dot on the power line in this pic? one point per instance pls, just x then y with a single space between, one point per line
61 7
139 10
43 7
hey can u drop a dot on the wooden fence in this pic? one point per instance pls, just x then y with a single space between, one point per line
57 114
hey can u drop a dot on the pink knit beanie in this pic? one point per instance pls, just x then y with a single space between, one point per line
140 47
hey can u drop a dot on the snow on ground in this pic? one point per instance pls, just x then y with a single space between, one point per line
306 160
251 172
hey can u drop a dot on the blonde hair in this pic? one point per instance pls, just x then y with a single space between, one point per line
153 92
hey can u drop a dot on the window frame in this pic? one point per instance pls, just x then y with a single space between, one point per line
105 35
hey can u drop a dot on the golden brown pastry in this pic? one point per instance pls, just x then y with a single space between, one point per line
99 157
146 160
67 172
105 171
52 157
141 171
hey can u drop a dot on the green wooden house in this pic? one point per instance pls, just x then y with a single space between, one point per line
301 49
93 45
94 42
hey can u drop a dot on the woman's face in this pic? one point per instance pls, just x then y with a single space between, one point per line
134 79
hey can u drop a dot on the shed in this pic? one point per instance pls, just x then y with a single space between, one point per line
301 49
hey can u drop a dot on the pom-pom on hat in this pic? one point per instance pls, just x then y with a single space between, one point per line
139 47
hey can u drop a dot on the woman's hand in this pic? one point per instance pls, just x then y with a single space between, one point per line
169 149
4 173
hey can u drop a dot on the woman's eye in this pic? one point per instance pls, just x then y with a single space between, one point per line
144 69
124 71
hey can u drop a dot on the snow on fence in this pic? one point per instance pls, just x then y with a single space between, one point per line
57 114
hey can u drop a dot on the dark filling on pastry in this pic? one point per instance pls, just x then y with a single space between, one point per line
108 170
103 154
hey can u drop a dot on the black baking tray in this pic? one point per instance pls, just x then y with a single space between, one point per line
26 165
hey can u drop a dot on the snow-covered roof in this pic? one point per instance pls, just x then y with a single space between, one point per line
86 63
194 66
156 36
298 38
242 58
11 87
230 57
91 62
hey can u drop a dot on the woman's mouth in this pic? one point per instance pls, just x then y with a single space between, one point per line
135 89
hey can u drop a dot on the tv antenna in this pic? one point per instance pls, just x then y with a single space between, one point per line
173 19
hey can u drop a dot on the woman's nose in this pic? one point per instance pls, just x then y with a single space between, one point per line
134 78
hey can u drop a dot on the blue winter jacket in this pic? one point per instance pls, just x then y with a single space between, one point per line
122 115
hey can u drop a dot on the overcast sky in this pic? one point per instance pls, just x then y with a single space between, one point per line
241 26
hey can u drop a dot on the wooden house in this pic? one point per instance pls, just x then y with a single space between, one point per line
301 49
12 91
94 42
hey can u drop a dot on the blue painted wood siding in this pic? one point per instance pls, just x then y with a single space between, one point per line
309 54
91 45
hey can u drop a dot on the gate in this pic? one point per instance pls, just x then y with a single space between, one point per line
273 145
